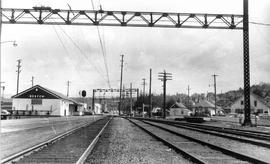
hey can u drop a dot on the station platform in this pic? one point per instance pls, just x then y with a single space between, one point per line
20 134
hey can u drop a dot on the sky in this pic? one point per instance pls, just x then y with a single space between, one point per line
191 55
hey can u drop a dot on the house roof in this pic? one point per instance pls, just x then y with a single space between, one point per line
204 104
52 93
178 105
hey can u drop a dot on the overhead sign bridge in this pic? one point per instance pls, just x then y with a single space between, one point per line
48 16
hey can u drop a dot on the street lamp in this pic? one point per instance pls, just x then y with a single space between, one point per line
10 41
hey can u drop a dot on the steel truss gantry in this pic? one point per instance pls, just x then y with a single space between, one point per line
129 91
48 16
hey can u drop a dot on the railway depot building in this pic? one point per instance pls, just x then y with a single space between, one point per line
38 100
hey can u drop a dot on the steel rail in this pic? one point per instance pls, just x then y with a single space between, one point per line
221 149
171 145
224 135
247 133
43 144
251 134
92 145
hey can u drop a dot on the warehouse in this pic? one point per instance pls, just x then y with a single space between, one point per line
38 100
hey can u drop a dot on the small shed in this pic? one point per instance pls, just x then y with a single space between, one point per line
179 110
204 107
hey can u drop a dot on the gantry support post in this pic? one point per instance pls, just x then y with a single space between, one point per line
247 120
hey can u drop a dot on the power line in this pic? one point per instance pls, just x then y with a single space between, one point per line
259 23
103 50
81 51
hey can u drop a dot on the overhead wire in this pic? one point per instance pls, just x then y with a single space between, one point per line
64 47
81 51
259 23
103 50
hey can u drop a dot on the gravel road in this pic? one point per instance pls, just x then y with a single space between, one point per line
124 143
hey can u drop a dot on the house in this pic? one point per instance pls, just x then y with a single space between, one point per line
257 104
204 107
38 100
179 110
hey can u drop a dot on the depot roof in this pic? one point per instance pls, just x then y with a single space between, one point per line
39 92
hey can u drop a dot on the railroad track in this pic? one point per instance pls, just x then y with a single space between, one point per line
220 133
194 149
264 136
71 147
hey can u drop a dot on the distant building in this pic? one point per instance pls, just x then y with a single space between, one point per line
38 100
98 108
206 107
257 104
179 110
6 104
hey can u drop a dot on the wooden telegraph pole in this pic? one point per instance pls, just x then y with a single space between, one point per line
164 76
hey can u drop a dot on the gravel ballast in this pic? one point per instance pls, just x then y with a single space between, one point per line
244 148
124 143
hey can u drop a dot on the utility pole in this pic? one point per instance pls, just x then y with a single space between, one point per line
0 52
93 101
164 76
32 81
121 78
68 83
123 100
150 94
143 84
131 102
18 73
3 89
188 98
215 92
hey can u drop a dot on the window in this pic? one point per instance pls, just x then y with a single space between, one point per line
36 101
255 103
239 111
242 102
260 110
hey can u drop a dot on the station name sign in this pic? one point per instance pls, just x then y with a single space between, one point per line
36 96
37 93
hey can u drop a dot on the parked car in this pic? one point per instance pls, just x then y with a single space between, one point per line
4 114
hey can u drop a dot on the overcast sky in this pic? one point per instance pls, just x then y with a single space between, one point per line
191 55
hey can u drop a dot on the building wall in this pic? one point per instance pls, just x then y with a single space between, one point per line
56 107
256 106
97 109
64 108
179 112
